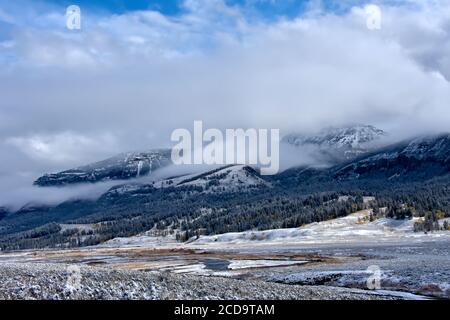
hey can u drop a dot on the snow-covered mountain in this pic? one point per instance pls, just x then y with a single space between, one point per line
229 178
232 178
422 157
123 166
333 146
135 205
339 144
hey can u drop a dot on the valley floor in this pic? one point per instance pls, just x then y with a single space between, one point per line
327 260
52 281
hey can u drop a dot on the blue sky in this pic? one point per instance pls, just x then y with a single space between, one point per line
268 9
173 7
169 7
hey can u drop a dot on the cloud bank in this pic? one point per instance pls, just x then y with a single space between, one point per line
126 80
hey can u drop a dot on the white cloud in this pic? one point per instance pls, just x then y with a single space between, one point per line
62 148
137 76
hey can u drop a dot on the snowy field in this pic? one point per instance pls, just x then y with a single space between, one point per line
349 229
409 261
335 253
345 230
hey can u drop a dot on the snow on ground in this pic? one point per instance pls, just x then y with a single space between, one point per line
342 230
349 229
142 241
244 264
197 268
45 281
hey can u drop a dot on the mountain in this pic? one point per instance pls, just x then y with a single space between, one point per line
334 145
231 178
236 198
420 158
339 144
3 212
121 167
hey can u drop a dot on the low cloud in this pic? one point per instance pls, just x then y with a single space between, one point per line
18 191
62 148
125 81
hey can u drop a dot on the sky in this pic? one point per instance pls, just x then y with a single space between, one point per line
137 70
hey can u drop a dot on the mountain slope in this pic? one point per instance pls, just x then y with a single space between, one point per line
339 144
420 158
232 178
229 178
238 198
120 167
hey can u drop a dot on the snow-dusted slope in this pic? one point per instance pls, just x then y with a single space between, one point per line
232 178
340 143
349 229
123 166
421 157
352 229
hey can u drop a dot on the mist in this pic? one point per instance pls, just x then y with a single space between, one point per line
16 193
126 81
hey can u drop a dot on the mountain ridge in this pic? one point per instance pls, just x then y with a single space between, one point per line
420 157
413 171
120 167
338 144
